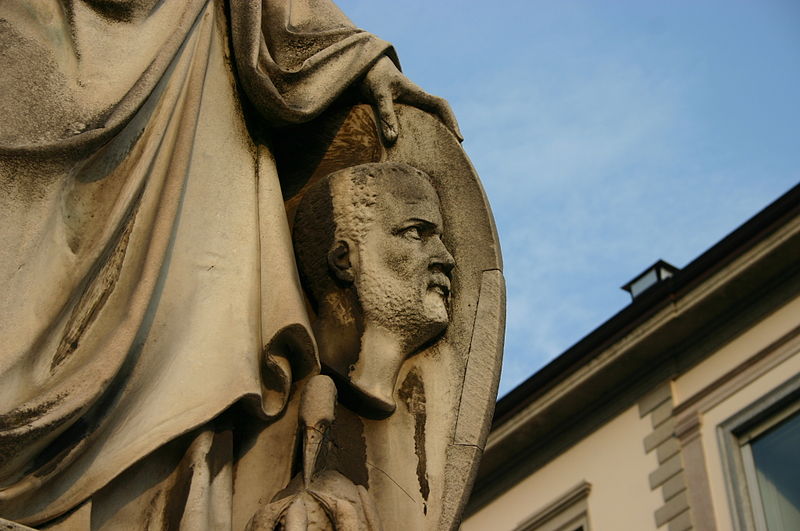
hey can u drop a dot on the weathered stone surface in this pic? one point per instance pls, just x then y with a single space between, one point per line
445 393
155 336
6 525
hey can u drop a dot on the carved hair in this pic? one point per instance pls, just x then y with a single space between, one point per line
338 207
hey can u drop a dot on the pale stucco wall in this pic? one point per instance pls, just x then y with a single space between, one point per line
739 350
612 460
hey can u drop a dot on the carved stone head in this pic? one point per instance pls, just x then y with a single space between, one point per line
369 249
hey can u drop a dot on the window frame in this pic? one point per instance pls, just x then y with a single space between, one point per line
735 435
568 512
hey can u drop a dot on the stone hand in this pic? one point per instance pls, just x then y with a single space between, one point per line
384 84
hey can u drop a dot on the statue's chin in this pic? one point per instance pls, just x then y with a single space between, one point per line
366 384
436 310
375 402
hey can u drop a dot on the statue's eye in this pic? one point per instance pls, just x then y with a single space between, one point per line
412 233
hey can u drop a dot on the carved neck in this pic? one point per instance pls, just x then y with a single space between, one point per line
338 335
367 357
375 373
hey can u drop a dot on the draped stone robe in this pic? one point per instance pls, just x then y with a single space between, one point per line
146 274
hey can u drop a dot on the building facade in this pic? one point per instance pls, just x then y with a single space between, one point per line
680 412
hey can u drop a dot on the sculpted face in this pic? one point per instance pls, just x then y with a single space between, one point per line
369 247
403 274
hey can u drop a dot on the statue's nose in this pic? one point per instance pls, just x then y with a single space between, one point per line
442 259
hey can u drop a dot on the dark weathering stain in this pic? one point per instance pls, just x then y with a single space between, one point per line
412 393
349 452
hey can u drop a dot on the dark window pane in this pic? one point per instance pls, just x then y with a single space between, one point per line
776 455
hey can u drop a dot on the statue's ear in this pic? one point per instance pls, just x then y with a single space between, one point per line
341 259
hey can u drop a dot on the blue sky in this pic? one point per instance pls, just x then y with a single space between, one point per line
608 134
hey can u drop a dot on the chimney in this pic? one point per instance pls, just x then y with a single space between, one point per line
651 276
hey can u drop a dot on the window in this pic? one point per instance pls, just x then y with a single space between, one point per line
771 459
568 512
761 448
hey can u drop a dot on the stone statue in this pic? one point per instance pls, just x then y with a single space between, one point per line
156 339
368 244
318 499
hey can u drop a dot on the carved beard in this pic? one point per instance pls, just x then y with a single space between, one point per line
410 308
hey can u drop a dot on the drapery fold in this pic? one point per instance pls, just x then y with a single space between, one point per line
148 273
292 61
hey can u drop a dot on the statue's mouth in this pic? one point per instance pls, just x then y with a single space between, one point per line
440 284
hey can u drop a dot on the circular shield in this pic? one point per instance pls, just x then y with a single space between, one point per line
419 463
